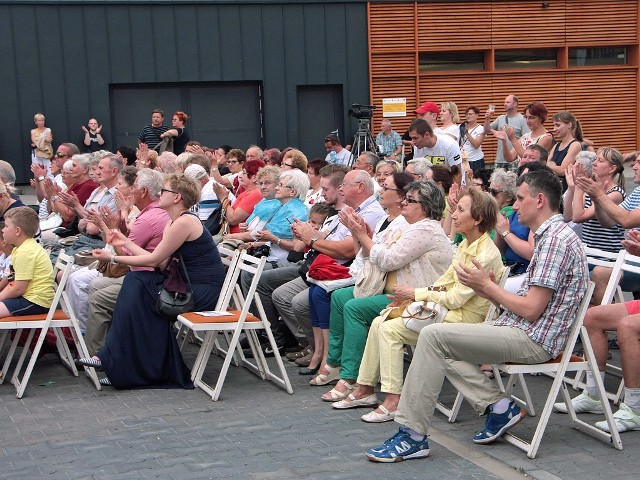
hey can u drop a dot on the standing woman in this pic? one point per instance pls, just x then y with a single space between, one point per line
178 132
568 132
141 348
41 138
472 139
535 115
449 119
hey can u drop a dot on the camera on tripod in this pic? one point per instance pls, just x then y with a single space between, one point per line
361 112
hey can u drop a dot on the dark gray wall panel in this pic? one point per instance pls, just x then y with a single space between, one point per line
63 58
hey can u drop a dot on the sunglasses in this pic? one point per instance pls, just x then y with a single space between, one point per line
494 192
60 155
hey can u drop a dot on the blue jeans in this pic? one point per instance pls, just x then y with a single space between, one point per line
319 307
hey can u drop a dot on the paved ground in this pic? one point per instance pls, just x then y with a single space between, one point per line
64 428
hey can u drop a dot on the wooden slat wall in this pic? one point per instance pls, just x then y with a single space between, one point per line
591 23
605 99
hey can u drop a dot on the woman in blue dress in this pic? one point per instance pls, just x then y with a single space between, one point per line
141 348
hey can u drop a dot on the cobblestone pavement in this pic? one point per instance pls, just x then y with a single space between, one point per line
64 429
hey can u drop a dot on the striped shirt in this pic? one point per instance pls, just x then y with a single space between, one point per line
151 135
597 236
558 263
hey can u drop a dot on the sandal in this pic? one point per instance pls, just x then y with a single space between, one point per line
105 381
335 395
375 417
324 379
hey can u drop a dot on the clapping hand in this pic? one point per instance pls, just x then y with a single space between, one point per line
475 278
632 243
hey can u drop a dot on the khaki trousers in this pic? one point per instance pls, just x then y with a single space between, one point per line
103 293
457 351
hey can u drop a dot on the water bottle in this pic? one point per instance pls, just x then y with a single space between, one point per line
333 157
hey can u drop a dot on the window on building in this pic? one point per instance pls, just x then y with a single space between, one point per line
592 56
526 58
439 61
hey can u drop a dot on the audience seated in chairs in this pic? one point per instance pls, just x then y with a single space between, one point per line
474 218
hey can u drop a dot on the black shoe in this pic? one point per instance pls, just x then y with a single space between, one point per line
268 351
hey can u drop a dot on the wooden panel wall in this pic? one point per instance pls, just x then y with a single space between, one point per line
605 99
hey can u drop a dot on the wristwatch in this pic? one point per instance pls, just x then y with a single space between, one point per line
53 198
41 178
505 233
313 240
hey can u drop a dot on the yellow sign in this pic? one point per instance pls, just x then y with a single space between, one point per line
394 107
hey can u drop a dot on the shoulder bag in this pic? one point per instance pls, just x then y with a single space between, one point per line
176 296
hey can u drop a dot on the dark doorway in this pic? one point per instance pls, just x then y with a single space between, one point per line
320 111
219 113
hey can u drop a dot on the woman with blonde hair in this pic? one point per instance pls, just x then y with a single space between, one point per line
449 119
41 138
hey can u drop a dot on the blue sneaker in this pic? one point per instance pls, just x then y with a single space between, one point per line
498 423
398 448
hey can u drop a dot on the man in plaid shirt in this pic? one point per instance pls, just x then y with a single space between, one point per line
533 328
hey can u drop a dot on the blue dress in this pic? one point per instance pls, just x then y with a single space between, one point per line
141 348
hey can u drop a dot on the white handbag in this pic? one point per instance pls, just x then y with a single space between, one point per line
54 220
418 315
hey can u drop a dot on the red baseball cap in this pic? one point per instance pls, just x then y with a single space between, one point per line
427 107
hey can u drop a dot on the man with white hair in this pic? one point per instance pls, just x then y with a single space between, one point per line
254 153
420 169
389 142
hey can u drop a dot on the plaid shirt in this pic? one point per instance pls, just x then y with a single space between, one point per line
558 263
389 144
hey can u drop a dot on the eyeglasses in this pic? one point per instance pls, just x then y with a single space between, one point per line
410 200
233 161
61 155
385 188
494 192
162 190
283 186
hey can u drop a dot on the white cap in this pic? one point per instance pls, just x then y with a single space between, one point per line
195 171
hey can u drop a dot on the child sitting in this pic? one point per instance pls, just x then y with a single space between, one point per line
32 290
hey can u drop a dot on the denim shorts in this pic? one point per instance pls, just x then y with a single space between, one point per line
22 306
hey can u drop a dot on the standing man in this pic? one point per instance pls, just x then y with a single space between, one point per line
533 328
150 134
389 142
337 154
429 112
93 139
511 118
437 149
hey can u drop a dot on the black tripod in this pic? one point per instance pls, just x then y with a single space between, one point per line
363 141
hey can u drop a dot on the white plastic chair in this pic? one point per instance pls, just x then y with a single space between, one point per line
55 320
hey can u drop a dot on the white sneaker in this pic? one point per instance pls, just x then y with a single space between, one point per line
625 418
583 403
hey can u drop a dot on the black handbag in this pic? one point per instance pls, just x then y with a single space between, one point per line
175 297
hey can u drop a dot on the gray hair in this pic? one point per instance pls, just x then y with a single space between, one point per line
422 166
371 158
114 161
7 173
84 159
152 180
431 196
363 177
586 159
397 167
507 180
298 181
183 159
68 165
166 162
258 149
271 171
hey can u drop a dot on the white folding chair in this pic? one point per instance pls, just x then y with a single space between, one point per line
55 320
624 262
558 367
236 322
452 413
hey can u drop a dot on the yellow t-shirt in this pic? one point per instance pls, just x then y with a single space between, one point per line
32 264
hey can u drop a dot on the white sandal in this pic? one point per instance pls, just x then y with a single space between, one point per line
335 395
375 417
324 379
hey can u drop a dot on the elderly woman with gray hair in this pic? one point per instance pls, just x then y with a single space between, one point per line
413 250
382 360
606 168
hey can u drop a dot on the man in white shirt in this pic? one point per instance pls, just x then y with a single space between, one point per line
336 153
438 149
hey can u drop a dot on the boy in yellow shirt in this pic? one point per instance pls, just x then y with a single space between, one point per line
32 290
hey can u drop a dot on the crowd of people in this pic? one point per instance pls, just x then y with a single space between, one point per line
351 244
